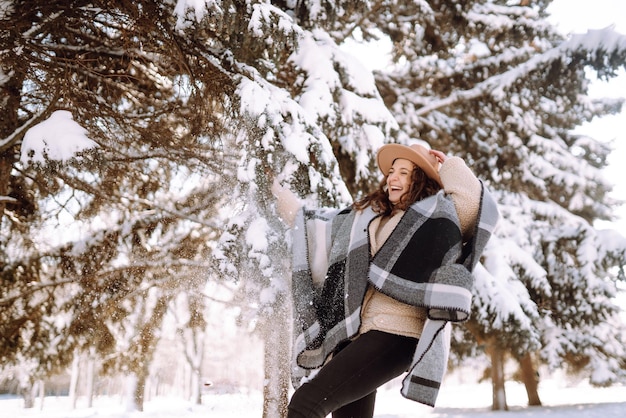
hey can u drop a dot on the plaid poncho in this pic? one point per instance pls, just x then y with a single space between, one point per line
423 263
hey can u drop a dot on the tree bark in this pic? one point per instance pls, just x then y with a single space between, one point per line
10 97
91 376
74 379
277 337
193 338
28 395
147 343
530 377
140 388
497 355
196 386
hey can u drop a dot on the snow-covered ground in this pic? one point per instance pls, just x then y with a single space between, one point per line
456 400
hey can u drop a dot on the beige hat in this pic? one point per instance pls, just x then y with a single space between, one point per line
415 153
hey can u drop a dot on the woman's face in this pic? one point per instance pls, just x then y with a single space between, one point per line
399 179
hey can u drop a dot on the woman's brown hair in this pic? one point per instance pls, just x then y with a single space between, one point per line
422 186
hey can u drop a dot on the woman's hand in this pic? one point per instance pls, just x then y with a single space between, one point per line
440 156
287 203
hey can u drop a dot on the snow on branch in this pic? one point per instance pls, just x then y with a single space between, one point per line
263 15
275 110
6 143
338 91
56 138
593 44
187 11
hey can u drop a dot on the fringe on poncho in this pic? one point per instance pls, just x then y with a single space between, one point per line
424 263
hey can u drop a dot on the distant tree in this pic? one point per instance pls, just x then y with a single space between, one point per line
193 334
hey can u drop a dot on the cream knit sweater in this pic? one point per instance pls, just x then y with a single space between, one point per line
379 311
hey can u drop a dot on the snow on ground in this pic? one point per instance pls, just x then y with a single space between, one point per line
456 400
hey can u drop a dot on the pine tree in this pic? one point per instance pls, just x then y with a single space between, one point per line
142 204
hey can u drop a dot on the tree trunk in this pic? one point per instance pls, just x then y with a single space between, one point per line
193 338
91 378
497 355
530 377
147 343
186 380
131 388
41 387
140 387
74 379
27 392
10 97
277 337
196 386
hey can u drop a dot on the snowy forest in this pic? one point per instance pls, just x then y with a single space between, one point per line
140 246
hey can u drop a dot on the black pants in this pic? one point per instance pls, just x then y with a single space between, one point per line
346 385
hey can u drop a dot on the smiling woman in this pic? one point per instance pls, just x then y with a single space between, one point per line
399 179
379 283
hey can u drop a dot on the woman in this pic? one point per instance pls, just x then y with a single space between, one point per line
375 285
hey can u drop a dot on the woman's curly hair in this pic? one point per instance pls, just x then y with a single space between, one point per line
422 186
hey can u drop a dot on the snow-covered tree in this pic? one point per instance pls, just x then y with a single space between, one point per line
192 109
111 159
